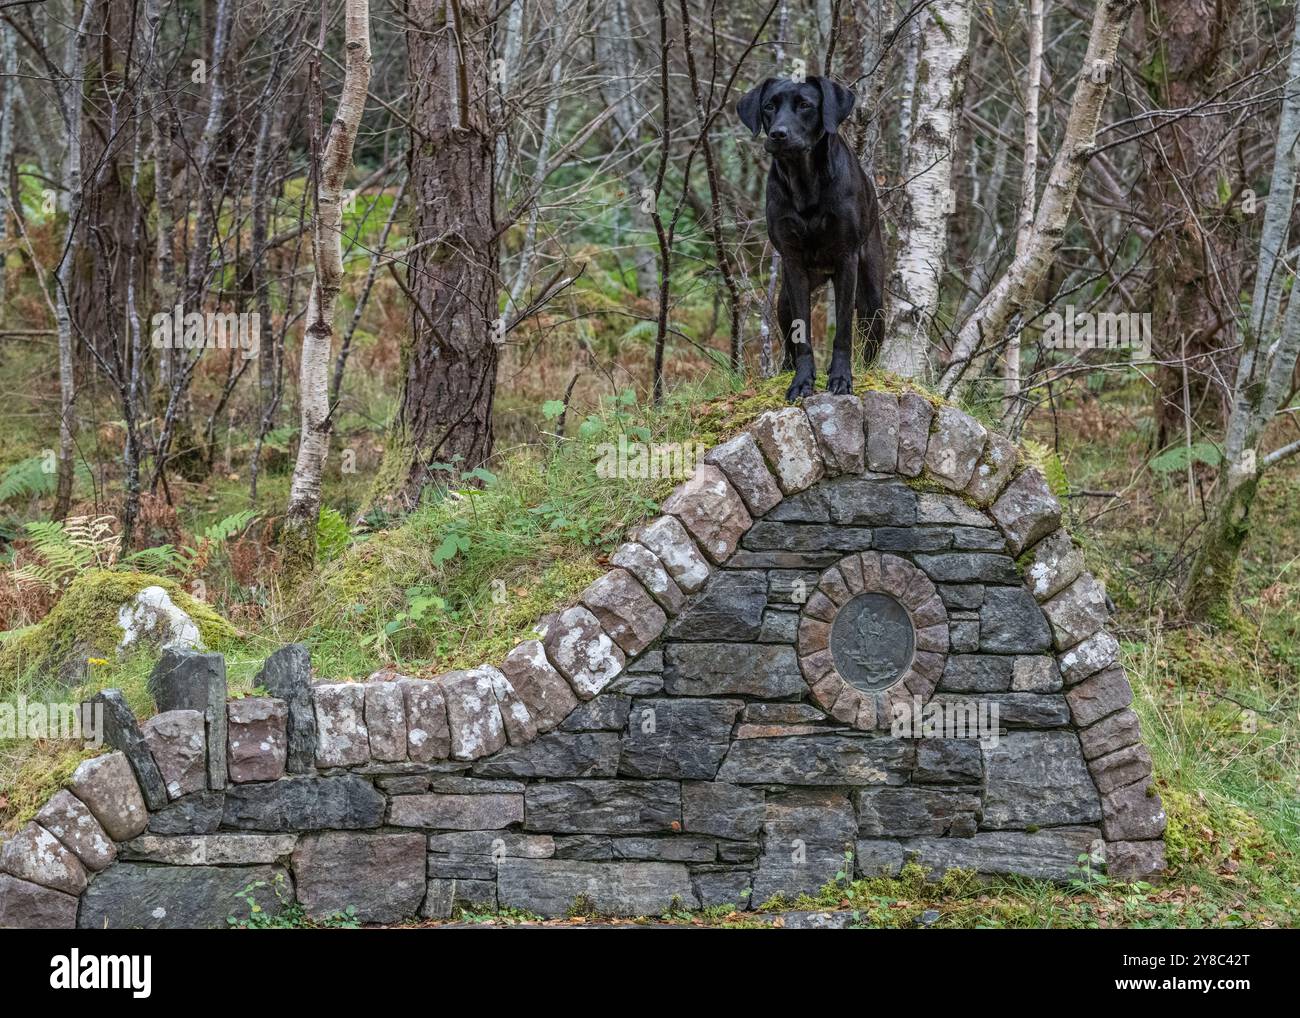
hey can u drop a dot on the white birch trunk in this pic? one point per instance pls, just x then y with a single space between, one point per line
318 334
1028 191
923 222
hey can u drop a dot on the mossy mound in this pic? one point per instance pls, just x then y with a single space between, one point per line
83 624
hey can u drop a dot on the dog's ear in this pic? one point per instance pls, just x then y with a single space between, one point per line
751 104
837 103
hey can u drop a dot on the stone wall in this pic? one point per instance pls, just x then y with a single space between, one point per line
717 720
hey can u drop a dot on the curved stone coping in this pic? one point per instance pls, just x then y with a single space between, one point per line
468 714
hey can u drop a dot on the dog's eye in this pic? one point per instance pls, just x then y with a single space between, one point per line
769 107
805 105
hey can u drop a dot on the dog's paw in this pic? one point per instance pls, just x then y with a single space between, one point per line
799 389
840 385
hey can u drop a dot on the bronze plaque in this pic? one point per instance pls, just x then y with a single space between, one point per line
872 641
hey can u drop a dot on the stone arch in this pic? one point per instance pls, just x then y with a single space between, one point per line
685 732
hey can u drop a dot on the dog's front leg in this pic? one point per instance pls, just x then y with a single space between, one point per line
796 302
839 380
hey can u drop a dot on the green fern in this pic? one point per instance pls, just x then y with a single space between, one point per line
64 549
1050 464
224 530
27 478
332 534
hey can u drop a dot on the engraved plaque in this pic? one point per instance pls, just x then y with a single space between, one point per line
872 641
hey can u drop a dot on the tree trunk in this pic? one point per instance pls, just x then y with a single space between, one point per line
8 109
449 363
1028 193
318 334
1197 266
923 219
1265 371
70 94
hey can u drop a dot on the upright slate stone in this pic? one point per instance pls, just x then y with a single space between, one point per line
122 731
286 675
188 680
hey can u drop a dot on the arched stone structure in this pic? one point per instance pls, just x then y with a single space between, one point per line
859 627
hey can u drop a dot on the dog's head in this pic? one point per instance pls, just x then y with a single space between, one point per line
795 114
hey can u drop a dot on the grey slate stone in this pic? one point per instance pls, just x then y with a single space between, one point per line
139 895
729 608
1011 623
28 906
720 669
956 442
491 811
716 886
550 887
1038 779
604 713
121 731
914 416
199 813
722 810
976 673
671 738
36 855
838 426
908 812
304 803
969 567
603 807
188 680
948 762
1046 855
557 755
286 675
817 760
880 417
382 876
876 857
1027 510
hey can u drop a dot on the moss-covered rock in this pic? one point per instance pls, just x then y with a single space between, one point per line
84 624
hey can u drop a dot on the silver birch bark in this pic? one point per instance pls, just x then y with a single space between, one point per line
923 222
1028 191
318 334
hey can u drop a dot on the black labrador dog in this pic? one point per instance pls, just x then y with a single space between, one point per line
823 218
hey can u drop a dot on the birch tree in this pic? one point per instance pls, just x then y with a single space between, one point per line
318 333
1028 190
923 220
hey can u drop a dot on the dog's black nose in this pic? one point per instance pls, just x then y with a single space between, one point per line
778 134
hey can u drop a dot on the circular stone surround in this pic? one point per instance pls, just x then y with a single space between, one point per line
873 635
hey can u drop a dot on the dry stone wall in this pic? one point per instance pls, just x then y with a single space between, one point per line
857 632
